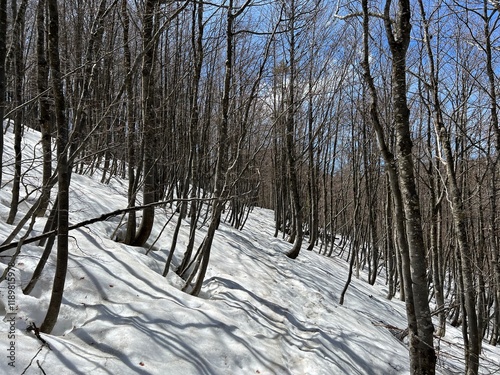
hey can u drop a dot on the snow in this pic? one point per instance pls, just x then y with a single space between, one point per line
259 312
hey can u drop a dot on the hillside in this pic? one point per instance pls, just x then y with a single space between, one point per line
259 312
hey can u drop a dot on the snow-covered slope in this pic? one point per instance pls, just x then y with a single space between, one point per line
259 312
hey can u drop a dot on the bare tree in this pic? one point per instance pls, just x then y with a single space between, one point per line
43 105
62 171
15 54
402 180
473 341
487 16
3 53
197 47
131 124
290 130
148 119
222 168
423 360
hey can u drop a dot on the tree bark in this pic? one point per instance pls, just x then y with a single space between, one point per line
313 173
44 107
197 45
221 168
402 181
63 172
290 145
473 341
131 219
495 169
148 118
3 53
15 54
423 360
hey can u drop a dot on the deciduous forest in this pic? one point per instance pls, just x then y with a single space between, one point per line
370 128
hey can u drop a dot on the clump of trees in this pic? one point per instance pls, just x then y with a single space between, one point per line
370 129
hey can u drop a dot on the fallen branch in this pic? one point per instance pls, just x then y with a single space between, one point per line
103 217
33 328
397 332
40 367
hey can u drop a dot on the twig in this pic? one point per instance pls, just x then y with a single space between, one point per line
40 367
33 328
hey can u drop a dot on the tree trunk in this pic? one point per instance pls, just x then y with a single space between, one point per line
290 146
3 52
16 55
197 44
221 168
313 175
63 172
44 107
131 219
148 118
473 341
371 194
221 165
389 244
495 169
402 181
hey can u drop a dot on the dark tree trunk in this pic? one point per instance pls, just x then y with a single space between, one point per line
63 172
423 359
290 146
127 62
16 55
43 107
402 181
3 52
313 175
148 118
197 44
